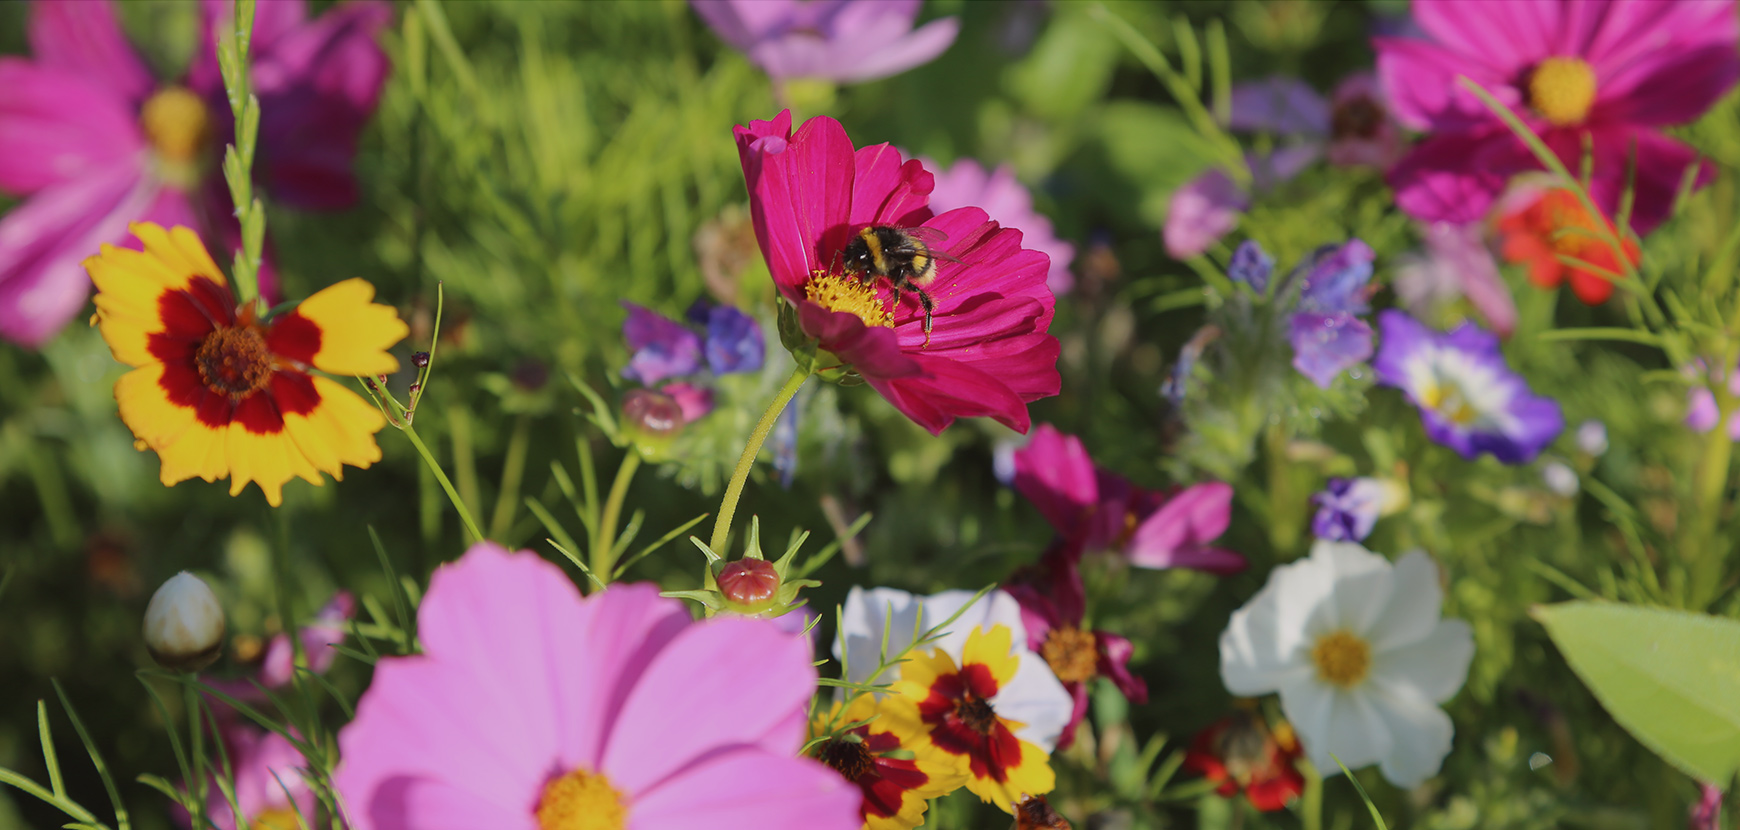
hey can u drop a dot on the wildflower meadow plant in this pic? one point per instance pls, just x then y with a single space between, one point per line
1229 456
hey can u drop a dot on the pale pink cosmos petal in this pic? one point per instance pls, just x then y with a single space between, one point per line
85 39
741 22
45 240
745 674
404 803
59 126
1201 212
1459 250
853 42
267 777
749 790
919 47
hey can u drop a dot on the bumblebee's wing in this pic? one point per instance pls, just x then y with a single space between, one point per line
933 238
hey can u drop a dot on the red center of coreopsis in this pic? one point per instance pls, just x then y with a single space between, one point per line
1556 224
1073 654
884 781
964 722
1357 117
234 361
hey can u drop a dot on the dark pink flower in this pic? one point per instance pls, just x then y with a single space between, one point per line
988 354
1610 73
270 788
92 141
278 665
1053 606
1093 509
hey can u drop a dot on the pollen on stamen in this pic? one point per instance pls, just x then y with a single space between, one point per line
234 361
835 292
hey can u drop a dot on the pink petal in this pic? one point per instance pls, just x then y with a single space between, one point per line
948 389
1675 88
873 350
45 240
1503 37
1631 36
422 804
800 188
273 19
1420 82
748 789
718 684
888 192
1114 664
916 48
1202 211
84 39
1455 177
1176 534
59 126
1055 473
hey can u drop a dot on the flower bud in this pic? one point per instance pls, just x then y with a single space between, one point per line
420 360
749 583
184 624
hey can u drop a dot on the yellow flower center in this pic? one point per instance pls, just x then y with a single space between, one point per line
1448 400
1562 90
581 800
177 124
277 818
836 292
1343 658
1072 654
234 361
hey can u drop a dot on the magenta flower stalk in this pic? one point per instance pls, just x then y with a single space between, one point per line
1006 202
988 354
91 141
532 708
846 41
1609 73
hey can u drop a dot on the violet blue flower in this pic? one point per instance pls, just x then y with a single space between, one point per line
1469 399
1325 330
663 348
1609 75
846 41
1007 202
1347 509
93 142
734 341
1251 265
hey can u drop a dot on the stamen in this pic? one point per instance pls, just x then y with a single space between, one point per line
1562 90
835 292
234 361
1343 658
975 713
581 800
1072 654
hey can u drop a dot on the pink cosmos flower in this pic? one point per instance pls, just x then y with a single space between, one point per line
1611 72
1007 202
92 141
1093 509
988 353
278 664
849 41
1455 263
270 789
532 707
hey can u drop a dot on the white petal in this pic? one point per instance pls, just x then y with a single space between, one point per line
1422 733
1412 611
1309 596
1434 667
1361 588
1250 660
1035 698
994 609
859 642
1335 724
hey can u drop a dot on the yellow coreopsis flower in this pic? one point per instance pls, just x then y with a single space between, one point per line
897 769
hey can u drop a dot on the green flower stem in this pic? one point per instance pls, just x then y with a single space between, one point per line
197 787
604 546
1311 802
239 156
746 461
1700 544
441 476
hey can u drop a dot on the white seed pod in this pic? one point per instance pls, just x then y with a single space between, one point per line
184 624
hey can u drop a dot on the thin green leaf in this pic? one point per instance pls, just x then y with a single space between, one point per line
96 758
1379 819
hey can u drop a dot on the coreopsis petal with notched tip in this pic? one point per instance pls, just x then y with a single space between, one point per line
988 353
897 770
218 393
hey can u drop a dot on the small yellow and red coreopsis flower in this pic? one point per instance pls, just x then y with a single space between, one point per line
956 708
874 756
218 392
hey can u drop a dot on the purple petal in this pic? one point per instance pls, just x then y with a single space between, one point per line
1251 265
1205 209
1347 509
84 39
1279 104
1326 344
1336 278
734 341
1176 535
663 348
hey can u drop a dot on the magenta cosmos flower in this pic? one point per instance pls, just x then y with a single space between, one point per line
1611 73
848 41
1005 200
536 709
92 141
270 789
988 353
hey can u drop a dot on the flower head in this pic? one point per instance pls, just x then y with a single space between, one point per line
1007 202
270 788
1552 223
1094 509
536 709
219 393
93 141
958 706
897 770
1241 753
848 41
1325 330
1357 650
988 353
663 348
1609 75
734 341
1202 211
1702 412
1362 131
1456 263
1469 399
1347 508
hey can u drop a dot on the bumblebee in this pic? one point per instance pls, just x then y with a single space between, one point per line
904 256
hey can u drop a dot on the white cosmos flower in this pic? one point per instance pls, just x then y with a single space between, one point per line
1359 655
1034 697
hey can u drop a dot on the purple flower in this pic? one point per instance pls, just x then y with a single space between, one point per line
734 342
1251 265
847 41
1604 75
663 348
1347 509
1702 412
1281 105
1008 203
1202 211
1469 399
1325 331
92 141
1336 279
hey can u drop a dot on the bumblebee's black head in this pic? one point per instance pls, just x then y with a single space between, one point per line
863 255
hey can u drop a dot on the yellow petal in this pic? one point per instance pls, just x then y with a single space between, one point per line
1033 776
992 650
355 333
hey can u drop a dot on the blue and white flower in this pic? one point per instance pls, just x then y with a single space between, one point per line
1347 508
1469 399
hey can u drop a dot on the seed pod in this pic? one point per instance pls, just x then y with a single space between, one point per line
750 583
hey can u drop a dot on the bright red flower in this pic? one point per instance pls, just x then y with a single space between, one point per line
988 353
1240 752
1555 223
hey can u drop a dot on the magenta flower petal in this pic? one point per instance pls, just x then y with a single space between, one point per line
873 350
1177 535
886 191
59 127
798 185
750 791
1205 209
849 42
272 20
1006 202
85 40
1455 177
949 389
770 678
1055 473
1115 654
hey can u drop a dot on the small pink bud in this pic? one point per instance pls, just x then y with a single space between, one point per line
653 413
749 582
420 359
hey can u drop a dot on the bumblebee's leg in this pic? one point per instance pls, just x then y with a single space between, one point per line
929 306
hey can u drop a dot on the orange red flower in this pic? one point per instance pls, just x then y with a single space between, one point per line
1240 752
1555 224
219 392
896 789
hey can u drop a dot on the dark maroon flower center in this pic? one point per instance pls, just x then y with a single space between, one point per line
975 713
234 361
849 758
1358 117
